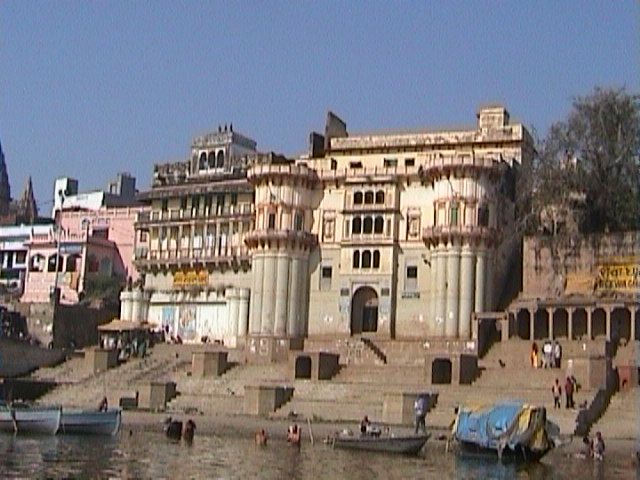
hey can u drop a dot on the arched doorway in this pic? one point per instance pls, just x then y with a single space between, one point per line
364 311
560 321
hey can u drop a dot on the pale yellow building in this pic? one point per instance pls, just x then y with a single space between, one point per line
390 235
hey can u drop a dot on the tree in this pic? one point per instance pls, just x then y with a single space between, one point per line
587 169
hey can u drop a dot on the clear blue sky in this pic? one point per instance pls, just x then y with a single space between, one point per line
91 88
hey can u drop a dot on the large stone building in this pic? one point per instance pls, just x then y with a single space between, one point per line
394 236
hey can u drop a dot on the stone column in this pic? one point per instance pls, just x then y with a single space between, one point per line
268 294
301 325
532 324
243 312
453 290
608 323
589 326
295 299
282 295
481 258
441 302
467 281
550 320
431 318
570 311
257 268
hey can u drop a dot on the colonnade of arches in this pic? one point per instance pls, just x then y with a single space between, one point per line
610 322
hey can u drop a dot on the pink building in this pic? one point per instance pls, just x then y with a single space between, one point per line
89 243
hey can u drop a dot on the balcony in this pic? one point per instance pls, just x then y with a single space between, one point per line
443 165
290 237
227 255
178 216
470 233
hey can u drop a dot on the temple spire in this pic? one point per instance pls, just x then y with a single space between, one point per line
5 189
28 206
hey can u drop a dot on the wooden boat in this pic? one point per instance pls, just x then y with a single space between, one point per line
509 431
405 444
29 419
90 422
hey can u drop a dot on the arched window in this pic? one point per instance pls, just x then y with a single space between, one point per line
36 263
202 164
378 225
376 259
357 198
212 159
356 259
368 225
366 259
368 197
298 222
380 196
51 263
356 227
220 159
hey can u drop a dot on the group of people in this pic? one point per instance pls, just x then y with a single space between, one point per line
294 436
593 447
549 357
570 386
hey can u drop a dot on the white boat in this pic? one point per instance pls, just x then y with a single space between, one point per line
30 419
90 422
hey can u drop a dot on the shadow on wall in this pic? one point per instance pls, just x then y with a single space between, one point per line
76 326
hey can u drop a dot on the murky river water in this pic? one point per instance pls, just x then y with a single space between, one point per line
151 455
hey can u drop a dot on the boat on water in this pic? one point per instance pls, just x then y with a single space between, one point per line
405 444
509 431
29 419
90 422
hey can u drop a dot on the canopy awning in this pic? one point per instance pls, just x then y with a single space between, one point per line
117 325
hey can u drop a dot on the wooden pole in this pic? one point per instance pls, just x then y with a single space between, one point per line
310 431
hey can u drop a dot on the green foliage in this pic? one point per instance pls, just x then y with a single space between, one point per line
589 164
103 287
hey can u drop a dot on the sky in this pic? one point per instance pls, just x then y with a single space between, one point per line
92 88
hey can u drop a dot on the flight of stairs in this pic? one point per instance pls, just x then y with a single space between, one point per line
622 416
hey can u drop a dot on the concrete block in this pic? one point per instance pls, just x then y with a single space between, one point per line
100 360
208 364
264 399
314 365
155 395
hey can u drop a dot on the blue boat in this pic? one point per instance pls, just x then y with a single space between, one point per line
508 431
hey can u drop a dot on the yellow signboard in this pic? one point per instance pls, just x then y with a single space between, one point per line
190 278
618 276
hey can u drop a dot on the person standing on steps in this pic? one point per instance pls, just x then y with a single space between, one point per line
557 354
568 391
420 409
556 390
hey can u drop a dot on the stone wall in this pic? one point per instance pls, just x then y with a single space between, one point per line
555 266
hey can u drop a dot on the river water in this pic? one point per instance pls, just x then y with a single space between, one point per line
151 455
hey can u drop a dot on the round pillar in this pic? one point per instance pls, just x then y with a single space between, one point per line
453 290
481 258
441 301
243 312
257 268
282 290
431 306
125 305
268 294
136 307
295 300
467 281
